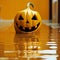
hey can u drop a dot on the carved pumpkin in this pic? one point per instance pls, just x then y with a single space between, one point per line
27 20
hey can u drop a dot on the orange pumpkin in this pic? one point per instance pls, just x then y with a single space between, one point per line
27 20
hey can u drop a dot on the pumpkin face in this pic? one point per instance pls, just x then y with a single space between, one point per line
27 20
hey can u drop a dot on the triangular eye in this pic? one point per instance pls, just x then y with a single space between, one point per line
34 17
21 18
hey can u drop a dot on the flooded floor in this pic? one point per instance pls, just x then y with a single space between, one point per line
42 45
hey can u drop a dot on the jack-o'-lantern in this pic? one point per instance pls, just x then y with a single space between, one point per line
27 20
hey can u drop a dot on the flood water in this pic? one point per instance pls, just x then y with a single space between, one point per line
42 45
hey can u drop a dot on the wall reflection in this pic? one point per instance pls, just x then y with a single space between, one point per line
1 49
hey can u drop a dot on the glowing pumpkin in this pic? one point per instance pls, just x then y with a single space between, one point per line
27 20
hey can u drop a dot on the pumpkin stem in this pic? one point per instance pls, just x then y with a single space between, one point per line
30 4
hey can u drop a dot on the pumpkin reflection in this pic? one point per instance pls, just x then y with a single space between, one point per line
27 44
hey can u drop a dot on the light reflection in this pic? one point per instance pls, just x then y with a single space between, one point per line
47 51
53 47
6 58
49 56
35 46
30 47
10 51
52 39
51 44
38 47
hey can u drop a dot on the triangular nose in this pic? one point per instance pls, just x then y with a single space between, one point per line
27 21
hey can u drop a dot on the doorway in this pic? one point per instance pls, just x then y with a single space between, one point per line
50 10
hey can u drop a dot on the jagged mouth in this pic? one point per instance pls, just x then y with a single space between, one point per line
26 29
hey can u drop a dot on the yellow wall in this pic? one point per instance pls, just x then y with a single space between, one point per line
10 7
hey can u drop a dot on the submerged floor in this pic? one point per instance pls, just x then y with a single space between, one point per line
42 45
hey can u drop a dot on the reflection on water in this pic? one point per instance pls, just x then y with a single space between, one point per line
34 46
31 47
